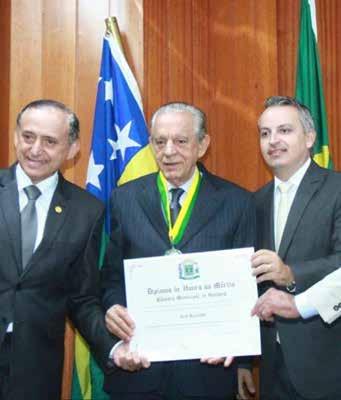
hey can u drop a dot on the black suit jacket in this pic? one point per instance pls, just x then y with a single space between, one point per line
311 246
222 218
60 279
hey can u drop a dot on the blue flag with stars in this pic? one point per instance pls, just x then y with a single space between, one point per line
120 130
120 152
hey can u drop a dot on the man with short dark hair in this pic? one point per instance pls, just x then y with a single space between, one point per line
220 216
50 232
299 237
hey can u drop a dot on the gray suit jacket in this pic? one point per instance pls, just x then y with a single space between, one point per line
311 246
60 280
223 218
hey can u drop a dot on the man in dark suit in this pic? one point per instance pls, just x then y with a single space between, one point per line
299 234
222 218
55 277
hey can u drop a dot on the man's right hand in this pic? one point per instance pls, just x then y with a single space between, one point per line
119 322
127 360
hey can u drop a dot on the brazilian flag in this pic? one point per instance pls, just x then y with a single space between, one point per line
309 88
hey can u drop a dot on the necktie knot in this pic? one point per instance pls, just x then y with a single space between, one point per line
175 196
175 205
32 192
284 187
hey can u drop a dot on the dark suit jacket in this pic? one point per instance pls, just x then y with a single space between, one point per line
311 246
60 279
223 218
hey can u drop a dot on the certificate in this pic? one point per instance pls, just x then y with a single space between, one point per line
193 305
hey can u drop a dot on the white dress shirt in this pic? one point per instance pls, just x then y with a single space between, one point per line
294 182
325 295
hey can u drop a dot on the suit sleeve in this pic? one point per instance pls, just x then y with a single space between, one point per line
321 245
85 308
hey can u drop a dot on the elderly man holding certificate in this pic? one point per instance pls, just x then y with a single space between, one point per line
179 210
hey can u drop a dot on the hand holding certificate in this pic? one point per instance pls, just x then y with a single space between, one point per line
193 305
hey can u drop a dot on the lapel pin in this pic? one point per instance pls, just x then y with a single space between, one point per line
58 209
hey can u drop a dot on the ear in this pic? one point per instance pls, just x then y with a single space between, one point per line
310 139
151 145
73 150
203 145
16 134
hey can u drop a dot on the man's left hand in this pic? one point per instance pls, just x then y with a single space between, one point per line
268 266
275 302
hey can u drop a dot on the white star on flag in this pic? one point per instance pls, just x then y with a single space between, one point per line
93 172
108 91
115 146
123 140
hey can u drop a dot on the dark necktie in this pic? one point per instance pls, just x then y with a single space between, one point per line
175 205
29 224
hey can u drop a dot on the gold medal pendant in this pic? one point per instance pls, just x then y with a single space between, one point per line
172 251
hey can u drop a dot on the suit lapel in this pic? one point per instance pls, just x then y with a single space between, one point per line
310 184
55 220
149 199
208 201
9 204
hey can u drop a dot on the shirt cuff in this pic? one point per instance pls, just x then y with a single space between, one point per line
304 307
111 354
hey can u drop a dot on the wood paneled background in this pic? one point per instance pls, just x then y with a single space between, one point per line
226 56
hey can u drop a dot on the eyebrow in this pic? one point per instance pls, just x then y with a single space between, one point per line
277 127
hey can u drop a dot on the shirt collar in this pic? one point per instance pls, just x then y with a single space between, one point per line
46 185
185 186
295 179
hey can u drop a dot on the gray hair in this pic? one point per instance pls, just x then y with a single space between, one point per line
73 119
304 114
199 117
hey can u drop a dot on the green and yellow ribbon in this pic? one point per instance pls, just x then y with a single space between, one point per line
177 231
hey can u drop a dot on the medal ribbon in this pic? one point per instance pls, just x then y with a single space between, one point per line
177 231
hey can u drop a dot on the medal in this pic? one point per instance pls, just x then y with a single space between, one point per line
172 252
176 231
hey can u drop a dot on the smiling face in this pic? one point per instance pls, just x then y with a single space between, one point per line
42 142
284 144
176 146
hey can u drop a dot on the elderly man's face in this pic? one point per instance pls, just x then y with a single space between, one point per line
284 144
176 146
42 142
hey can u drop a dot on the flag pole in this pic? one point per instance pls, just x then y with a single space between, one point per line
113 29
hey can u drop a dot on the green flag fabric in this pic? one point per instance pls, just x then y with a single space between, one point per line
309 88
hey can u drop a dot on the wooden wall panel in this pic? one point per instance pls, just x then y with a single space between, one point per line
129 15
5 29
226 56
59 57
204 49
25 59
287 39
329 39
